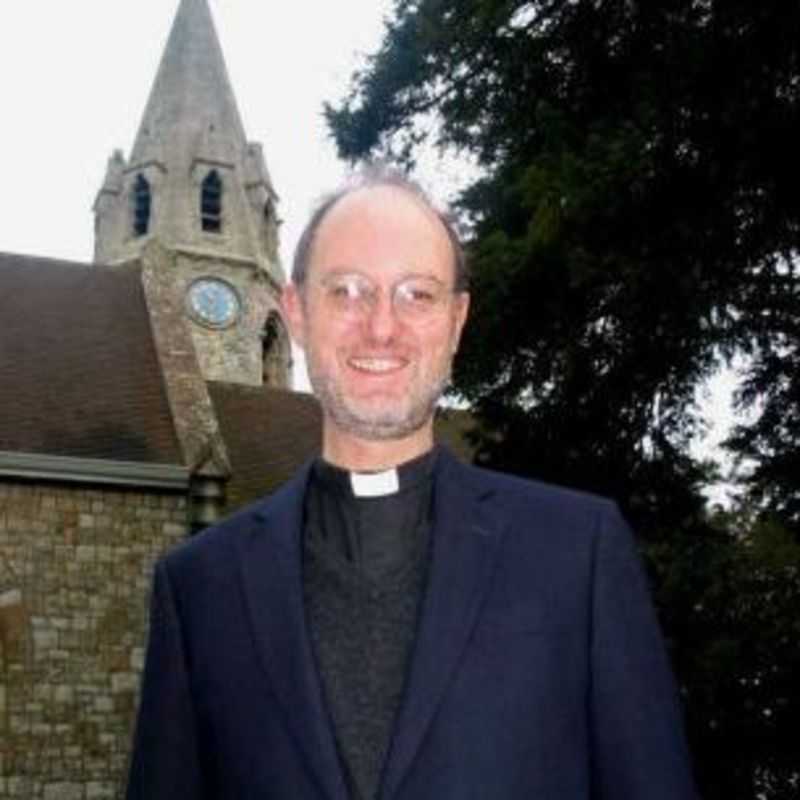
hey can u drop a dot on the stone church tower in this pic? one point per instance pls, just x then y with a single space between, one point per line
197 187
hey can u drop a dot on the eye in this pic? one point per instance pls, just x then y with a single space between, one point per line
346 290
419 294
342 291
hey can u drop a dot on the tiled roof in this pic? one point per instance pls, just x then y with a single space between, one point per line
268 434
79 374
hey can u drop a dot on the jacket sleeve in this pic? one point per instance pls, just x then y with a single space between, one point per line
638 745
165 761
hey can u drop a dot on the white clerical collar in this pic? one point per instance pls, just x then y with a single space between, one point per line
375 484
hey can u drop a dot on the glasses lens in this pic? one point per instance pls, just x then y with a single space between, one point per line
351 293
419 296
346 292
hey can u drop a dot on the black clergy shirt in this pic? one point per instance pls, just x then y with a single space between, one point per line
365 561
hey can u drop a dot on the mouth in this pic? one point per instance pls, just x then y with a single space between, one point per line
377 366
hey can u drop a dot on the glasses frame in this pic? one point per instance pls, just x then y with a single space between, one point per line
362 295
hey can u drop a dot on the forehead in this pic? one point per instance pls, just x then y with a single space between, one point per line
382 229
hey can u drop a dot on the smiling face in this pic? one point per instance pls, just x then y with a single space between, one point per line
378 371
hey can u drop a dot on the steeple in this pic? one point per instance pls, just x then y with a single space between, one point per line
191 127
196 185
192 110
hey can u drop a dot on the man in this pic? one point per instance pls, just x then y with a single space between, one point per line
392 623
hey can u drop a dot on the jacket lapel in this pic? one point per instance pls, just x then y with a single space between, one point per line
271 561
465 542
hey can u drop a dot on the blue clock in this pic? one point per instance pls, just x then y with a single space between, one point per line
213 302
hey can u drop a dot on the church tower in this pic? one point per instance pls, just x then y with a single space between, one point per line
194 184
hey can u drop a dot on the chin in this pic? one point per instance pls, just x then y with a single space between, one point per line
383 431
377 413
376 422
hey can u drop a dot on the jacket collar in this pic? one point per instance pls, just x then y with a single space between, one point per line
271 564
465 541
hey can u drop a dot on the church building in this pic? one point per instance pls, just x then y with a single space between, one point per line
142 397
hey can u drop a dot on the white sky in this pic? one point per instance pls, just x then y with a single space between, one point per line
76 76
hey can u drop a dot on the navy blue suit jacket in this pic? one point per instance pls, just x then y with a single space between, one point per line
538 672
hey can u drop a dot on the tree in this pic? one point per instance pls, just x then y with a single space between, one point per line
635 222
729 596
639 171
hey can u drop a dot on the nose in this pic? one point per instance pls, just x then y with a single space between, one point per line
381 319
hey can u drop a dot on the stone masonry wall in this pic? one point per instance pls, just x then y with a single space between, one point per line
75 570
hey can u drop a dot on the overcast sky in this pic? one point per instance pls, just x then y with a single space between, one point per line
76 76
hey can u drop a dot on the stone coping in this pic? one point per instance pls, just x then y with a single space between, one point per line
93 470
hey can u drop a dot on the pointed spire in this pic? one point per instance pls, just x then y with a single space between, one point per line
191 129
191 106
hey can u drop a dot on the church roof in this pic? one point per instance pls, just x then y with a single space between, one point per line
79 374
268 433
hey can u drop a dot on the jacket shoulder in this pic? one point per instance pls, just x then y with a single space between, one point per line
514 489
218 539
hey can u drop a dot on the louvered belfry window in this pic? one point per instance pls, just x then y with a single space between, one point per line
142 201
211 203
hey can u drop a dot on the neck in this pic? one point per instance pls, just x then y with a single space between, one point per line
365 455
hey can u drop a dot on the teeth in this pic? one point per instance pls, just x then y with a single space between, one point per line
375 364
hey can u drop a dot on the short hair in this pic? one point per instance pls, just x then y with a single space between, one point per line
370 177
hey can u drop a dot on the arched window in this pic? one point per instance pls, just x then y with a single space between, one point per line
141 206
275 353
211 203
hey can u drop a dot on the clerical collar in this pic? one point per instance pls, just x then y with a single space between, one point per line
376 484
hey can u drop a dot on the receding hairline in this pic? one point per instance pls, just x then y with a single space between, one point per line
369 181
348 204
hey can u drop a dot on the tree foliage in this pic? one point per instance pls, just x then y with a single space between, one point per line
640 175
729 596
636 221
771 390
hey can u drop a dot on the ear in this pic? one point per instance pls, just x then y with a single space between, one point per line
294 313
460 313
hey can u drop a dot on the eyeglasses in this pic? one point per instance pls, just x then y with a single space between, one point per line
414 298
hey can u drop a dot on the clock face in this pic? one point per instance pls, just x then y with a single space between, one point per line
213 302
